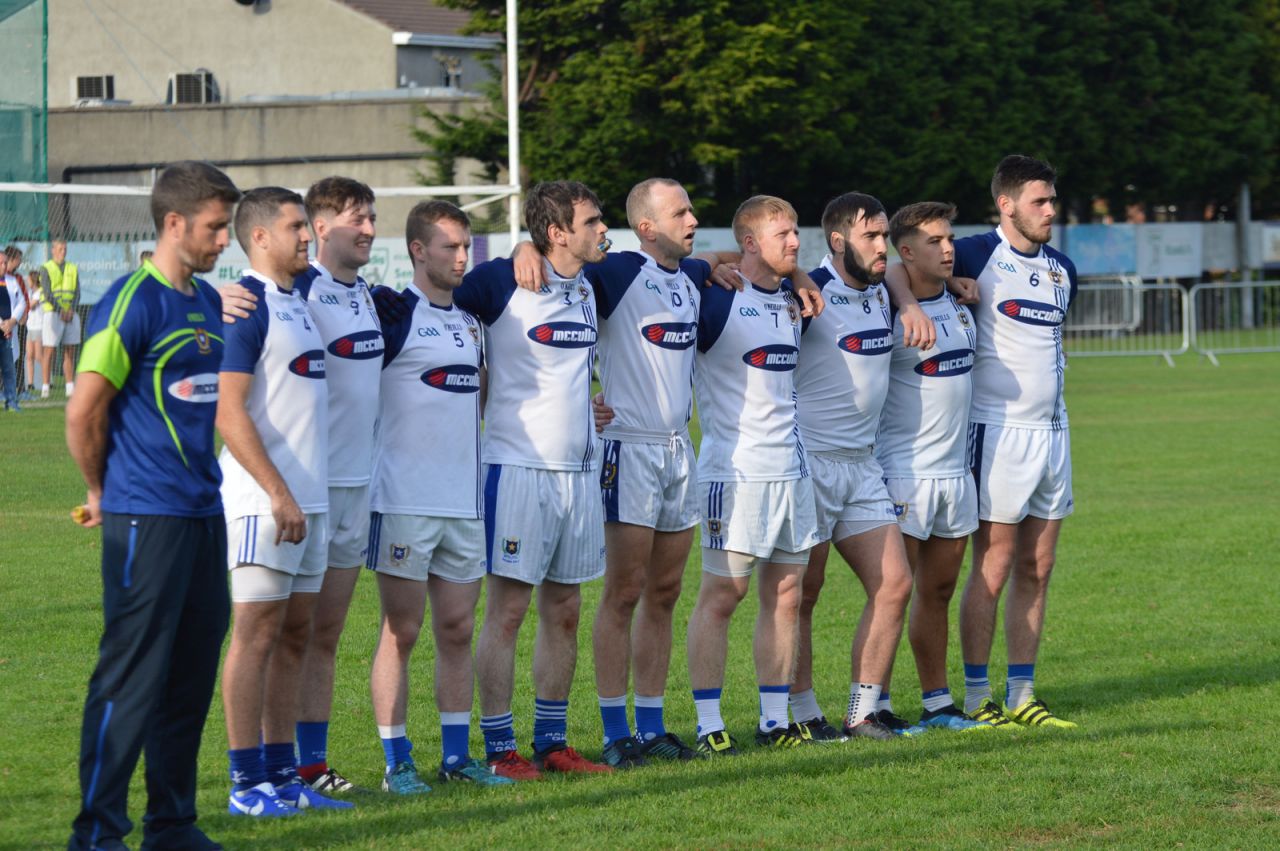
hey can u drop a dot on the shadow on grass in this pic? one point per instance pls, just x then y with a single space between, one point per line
1156 682
652 788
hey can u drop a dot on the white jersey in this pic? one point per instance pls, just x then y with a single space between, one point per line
353 359
539 348
844 365
748 346
926 414
648 328
1019 368
427 456
281 347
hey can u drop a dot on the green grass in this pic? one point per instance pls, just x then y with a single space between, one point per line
1163 643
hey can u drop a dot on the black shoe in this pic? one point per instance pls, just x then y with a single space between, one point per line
717 743
668 746
899 725
822 731
623 753
869 728
784 737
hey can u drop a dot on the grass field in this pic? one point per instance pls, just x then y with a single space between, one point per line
1163 642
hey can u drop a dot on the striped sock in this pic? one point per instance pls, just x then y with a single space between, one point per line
649 723
396 746
863 698
247 768
939 698
707 702
550 724
455 729
773 708
499 734
804 706
613 712
977 688
1019 685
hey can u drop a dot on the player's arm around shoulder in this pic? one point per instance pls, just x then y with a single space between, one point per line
487 289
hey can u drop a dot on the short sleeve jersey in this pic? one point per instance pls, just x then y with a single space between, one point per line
539 349
427 455
162 350
1019 370
353 346
748 347
280 346
648 328
844 365
923 425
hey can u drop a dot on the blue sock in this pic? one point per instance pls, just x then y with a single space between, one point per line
280 762
247 768
977 687
313 743
613 712
649 724
499 734
550 723
1019 685
396 746
455 729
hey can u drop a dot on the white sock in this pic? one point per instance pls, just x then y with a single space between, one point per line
884 704
937 699
773 708
708 706
71 386
804 706
394 731
863 698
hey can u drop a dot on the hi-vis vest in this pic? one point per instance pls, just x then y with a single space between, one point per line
62 285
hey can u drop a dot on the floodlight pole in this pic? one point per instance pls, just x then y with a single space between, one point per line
513 125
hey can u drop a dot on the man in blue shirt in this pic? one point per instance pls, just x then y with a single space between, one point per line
140 428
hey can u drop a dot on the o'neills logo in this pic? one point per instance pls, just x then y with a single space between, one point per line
956 362
196 388
361 345
455 378
1032 312
776 358
308 364
671 335
564 335
876 342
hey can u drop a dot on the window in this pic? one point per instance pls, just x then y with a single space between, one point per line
101 87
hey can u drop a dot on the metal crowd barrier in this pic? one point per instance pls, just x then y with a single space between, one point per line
1235 318
1128 318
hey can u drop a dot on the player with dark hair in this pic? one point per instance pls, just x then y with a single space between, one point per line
140 428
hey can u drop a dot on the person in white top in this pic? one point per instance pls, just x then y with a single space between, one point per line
753 476
921 448
272 410
35 332
1019 443
343 216
13 307
426 536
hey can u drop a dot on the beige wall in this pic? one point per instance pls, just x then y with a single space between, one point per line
344 132
298 47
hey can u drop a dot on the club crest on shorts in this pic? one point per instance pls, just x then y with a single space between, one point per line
511 550
202 341
714 526
399 553
609 475
900 510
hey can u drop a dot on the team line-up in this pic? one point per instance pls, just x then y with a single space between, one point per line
857 405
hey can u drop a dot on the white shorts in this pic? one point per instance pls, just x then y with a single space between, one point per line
759 518
56 332
848 488
290 568
348 526
411 547
1020 472
35 321
650 484
947 508
543 525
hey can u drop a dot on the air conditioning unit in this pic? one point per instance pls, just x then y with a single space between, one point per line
198 86
99 87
